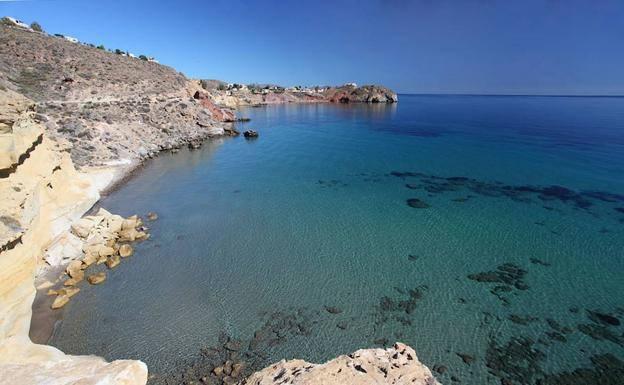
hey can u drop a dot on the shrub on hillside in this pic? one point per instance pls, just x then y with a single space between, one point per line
119 52
36 26
101 46
143 57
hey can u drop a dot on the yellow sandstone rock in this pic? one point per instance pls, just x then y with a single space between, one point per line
60 301
125 250
106 251
96 279
74 268
69 291
113 261
77 277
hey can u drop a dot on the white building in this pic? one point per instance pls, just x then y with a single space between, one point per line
72 39
17 23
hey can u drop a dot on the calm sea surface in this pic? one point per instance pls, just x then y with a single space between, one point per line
481 229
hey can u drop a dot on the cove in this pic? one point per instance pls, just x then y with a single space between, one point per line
301 243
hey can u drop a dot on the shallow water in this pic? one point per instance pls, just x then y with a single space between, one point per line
314 214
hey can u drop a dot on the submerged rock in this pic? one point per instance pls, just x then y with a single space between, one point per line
60 301
417 203
152 216
250 134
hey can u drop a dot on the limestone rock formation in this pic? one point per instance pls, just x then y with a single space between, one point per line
42 194
396 365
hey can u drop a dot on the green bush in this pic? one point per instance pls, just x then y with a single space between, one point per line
143 57
101 46
36 26
119 52
221 87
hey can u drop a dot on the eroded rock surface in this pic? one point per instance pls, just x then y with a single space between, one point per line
396 365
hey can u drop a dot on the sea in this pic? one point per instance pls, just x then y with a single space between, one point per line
486 232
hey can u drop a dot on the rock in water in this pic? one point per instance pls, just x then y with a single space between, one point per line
96 279
113 261
60 301
250 134
152 216
417 203
125 251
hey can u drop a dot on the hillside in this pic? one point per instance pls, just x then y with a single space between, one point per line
102 107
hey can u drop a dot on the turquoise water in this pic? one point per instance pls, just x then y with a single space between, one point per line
306 233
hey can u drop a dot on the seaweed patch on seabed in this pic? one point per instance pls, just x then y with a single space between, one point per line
519 362
508 276
398 309
232 360
603 327
583 200
333 183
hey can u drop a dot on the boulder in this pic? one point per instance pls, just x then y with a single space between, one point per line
106 251
125 250
77 277
128 235
60 301
82 227
250 134
152 216
74 268
96 279
89 260
129 223
69 291
113 261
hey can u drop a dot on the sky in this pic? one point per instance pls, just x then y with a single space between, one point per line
412 46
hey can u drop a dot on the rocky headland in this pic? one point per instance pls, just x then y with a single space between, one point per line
235 95
74 120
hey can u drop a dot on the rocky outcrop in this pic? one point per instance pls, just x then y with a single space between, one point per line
42 195
364 94
344 94
396 365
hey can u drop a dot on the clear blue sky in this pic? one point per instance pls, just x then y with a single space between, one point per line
419 46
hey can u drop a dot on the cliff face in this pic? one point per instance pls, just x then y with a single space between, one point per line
42 194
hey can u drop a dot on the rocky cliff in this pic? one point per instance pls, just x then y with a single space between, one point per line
42 195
